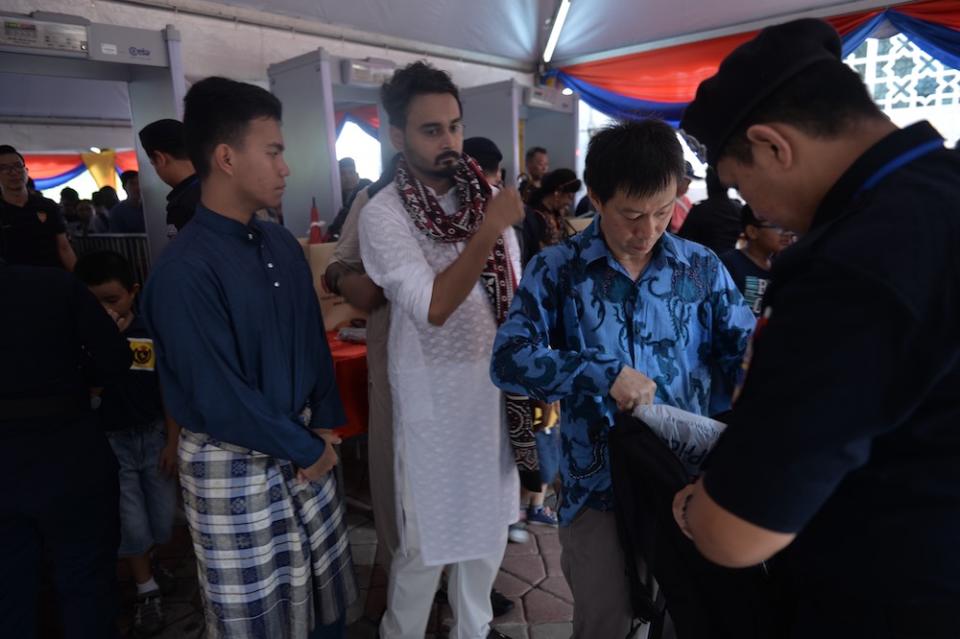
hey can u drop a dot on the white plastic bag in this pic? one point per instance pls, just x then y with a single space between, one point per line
689 436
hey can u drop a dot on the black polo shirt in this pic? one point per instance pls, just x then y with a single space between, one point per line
182 202
848 428
28 233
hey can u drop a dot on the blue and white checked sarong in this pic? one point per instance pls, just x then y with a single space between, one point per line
272 553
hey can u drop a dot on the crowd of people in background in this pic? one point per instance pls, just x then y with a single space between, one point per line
505 339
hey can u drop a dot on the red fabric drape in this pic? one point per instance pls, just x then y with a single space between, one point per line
127 161
368 114
47 165
943 12
672 74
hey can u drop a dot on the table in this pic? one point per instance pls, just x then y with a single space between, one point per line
350 370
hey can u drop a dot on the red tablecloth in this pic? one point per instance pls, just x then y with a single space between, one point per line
350 369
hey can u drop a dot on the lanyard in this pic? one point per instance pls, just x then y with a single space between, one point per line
900 161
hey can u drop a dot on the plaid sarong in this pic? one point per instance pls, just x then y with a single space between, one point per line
273 556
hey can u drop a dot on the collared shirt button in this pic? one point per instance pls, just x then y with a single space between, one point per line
269 264
276 284
249 236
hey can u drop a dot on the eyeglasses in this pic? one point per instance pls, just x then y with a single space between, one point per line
12 168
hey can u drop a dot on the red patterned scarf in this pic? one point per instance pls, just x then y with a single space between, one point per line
473 193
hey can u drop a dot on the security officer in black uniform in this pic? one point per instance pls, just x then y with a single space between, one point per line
32 229
842 455
59 477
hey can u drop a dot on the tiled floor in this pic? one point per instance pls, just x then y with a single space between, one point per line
530 576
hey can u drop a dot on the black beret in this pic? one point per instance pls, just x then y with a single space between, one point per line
484 151
751 73
563 180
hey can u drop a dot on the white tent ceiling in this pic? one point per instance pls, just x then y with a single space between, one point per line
516 30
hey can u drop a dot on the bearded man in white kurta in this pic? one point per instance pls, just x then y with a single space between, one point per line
441 247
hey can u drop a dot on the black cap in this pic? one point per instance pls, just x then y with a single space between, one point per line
751 73
563 180
484 151
166 136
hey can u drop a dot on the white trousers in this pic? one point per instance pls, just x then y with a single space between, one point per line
413 584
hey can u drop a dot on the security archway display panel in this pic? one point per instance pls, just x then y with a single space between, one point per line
147 61
492 111
556 131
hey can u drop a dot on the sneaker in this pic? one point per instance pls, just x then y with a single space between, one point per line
517 534
501 605
165 578
540 516
148 615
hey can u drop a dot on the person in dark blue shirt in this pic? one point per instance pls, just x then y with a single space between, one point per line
620 315
127 216
145 443
841 460
59 474
246 371
750 266
715 221
164 143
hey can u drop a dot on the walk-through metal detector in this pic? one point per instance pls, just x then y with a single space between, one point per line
63 46
517 118
312 89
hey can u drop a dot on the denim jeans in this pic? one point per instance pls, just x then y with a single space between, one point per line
147 497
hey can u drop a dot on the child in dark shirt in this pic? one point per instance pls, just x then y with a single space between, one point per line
144 441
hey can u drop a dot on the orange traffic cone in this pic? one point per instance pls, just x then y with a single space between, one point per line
316 226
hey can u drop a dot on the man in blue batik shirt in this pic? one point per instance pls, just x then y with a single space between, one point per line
621 315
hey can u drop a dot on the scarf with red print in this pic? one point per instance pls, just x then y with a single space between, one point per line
498 278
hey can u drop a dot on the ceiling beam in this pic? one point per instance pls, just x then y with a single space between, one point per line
742 27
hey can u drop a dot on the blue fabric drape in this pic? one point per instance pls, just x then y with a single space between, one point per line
56 180
939 42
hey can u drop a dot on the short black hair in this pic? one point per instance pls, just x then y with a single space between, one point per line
485 152
639 158
69 194
101 267
823 100
126 176
164 136
106 197
533 151
218 111
347 162
6 149
407 83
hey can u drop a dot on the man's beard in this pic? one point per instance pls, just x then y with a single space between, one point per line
438 169
449 169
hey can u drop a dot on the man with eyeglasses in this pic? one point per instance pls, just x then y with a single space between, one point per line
622 314
750 266
32 230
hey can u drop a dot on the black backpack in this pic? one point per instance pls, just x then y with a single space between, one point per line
705 601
